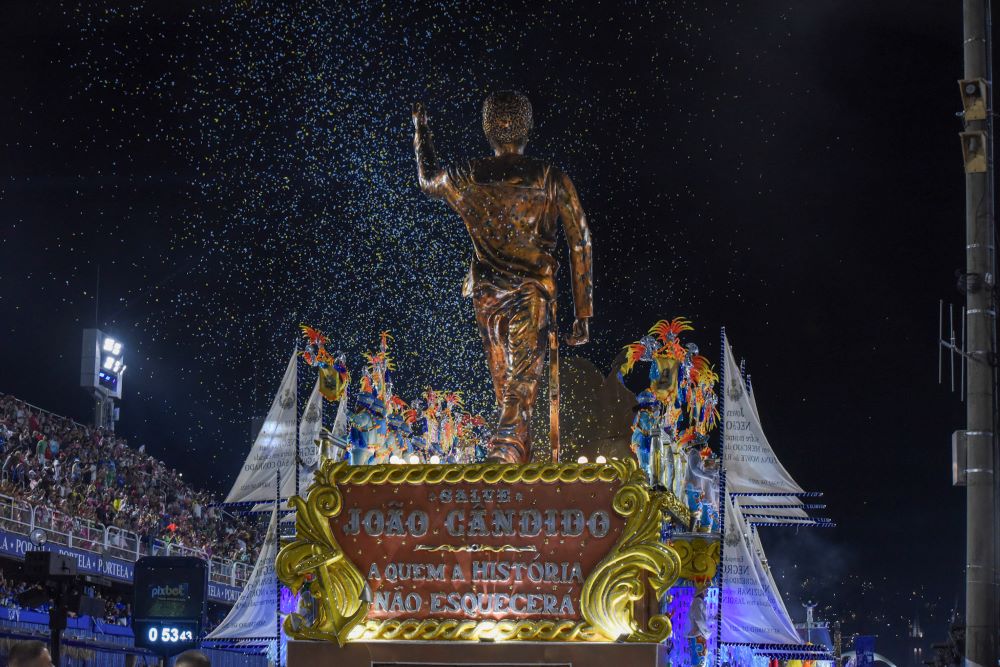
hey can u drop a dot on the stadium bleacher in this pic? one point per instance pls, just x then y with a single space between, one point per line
107 503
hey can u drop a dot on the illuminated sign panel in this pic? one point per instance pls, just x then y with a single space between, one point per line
476 550
556 552
169 603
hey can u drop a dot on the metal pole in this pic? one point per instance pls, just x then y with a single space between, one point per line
57 623
97 300
277 582
554 381
980 582
720 571
298 424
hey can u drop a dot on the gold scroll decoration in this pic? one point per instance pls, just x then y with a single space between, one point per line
617 582
699 559
337 584
606 600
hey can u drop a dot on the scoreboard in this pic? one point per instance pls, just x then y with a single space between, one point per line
168 610
170 634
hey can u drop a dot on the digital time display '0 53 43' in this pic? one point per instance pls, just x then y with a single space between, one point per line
169 634
165 636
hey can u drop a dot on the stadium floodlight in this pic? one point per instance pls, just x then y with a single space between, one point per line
102 362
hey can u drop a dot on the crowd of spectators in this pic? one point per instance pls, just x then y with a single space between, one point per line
91 474
116 610
10 591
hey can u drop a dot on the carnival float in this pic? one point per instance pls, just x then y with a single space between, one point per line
401 526
354 427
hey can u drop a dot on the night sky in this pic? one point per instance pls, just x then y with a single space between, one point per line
790 171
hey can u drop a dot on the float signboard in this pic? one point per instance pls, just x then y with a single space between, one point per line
477 550
540 551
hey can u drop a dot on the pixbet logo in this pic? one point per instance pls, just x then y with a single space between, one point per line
167 591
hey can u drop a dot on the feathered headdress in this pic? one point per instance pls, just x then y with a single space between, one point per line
315 352
333 374
694 394
662 341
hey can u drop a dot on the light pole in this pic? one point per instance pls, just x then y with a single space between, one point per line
978 284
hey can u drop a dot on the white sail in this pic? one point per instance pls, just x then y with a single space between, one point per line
750 463
310 427
341 424
274 448
254 614
309 430
766 510
752 398
761 557
752 609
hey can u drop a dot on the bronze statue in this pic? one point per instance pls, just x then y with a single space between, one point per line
510 204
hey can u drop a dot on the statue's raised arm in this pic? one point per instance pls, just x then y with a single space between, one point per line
433 179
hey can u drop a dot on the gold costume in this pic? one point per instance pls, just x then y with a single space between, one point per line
511 205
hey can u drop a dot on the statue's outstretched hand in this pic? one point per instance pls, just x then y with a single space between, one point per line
580 333
419 115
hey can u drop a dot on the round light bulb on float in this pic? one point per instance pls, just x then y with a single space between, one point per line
435 459
601 459
582 459
414 458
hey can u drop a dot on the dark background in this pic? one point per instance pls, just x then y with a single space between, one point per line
790 171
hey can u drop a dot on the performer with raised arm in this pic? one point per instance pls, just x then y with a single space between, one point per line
510 204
